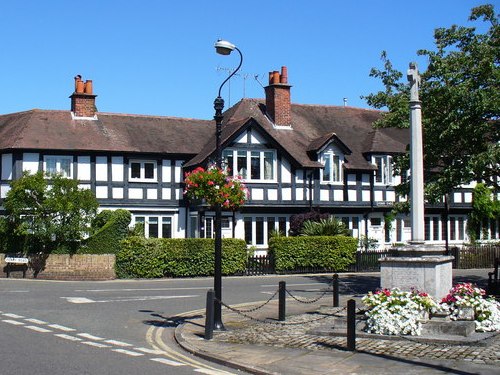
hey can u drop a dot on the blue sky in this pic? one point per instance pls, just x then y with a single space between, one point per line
157 57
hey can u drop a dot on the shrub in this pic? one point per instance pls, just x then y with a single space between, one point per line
297 221
177 257
333 253
110 227
325 227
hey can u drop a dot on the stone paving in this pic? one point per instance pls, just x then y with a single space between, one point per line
295 333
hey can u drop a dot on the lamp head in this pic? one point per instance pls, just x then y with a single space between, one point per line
223 47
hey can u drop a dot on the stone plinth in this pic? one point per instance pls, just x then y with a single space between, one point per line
419 267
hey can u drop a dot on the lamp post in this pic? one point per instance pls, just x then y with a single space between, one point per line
223 48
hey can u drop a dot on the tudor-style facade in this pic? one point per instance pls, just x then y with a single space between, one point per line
293 158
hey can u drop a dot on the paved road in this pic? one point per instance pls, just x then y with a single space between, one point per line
52 327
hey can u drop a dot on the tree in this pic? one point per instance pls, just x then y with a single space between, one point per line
460 106
45 213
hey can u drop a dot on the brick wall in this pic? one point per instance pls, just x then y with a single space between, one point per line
66 267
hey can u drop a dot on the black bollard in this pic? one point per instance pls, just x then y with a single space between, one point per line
209 319
351 325
335 290
281 305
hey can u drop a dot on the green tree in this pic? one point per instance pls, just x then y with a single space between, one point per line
460 106
45 213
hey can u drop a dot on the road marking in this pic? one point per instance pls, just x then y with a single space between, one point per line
150 351
118 343
210 372
128 352
168 362
141 289
14 316
38 329
89 336
18 291
96 344
78 300
14 322
124 299
304 284
36 321
62 328
68 337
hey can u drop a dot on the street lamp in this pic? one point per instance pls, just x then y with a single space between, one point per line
223 48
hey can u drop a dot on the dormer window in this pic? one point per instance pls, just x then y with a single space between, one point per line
251 165
332 170
384 173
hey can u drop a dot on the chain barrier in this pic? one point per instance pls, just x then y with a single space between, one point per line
273 322
349 288
306 301
260 306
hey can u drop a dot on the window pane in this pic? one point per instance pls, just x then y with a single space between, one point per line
427 223
242 164
435 229
65 167
282 225
135 170
452 229
248 230
380 168
461 231
326 170
153 227
270 226
336 168
225 223
228 161
255 165
149 170
268 165
259 231
51 167
166 227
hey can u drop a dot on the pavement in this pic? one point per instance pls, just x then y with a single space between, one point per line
254 341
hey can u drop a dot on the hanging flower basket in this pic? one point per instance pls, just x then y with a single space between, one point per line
215 186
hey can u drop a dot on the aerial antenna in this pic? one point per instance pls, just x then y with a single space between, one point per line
244 76
256 77
345 102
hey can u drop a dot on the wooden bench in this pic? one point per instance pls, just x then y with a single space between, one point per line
16 263
493 282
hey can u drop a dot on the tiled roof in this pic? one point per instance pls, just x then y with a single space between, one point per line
56 130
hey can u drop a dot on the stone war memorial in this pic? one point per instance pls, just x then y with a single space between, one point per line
417 265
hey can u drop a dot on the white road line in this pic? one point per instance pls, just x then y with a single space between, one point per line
167 362
38 329
118 343
210 372
149 351
62 328
15 316
96 344
141 289
124 299
89 336
36 321
128 352
14 322
68 337
18 291
275 286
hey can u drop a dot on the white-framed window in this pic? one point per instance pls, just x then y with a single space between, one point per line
251 165
56 164
384 173
258 229
156 226
142 171
332 170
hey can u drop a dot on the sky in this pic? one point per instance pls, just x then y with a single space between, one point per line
155 57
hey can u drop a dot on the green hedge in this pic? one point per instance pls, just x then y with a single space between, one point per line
177 257
330 252
110 228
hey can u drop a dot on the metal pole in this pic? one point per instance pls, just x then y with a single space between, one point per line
351 325
209 319
282 304
335 290
218 106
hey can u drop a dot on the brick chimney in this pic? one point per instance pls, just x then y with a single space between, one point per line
82 100
278 104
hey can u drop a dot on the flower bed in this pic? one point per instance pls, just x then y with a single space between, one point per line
395 312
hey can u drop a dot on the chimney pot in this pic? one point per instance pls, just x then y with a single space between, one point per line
284 75
88 87
83 100
80 86
276 77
